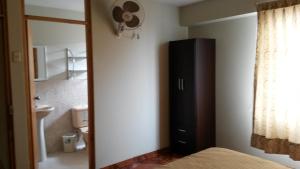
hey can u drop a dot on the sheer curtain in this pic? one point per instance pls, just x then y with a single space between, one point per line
276 120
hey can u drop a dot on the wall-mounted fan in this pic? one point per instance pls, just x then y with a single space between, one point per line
129 16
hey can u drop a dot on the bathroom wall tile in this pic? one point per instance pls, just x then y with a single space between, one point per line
63 95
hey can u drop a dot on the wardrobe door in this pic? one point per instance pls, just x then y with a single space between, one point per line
182 95
187 52
187 138
176 94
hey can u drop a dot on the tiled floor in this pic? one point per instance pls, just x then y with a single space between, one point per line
151 163
77 160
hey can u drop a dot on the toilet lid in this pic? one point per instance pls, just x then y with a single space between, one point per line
84 129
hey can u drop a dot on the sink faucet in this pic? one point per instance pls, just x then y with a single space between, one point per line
37 98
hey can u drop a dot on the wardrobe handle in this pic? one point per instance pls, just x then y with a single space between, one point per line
182 142
179 84
182 84
181 130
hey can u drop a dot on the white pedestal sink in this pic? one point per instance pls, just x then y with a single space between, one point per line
41 112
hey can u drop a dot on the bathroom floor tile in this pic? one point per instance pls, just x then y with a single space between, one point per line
77 160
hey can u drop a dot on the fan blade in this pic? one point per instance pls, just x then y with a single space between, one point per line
134 22
117 14
131 6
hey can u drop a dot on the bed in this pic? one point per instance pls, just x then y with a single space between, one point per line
220 158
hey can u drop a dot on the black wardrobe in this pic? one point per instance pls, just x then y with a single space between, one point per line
192 95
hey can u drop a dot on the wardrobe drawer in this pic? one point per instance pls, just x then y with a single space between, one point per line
183 133
183 142
183 146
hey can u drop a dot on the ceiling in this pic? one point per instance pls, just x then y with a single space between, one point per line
180 2
78 5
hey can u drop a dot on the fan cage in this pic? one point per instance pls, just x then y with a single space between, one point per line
141 15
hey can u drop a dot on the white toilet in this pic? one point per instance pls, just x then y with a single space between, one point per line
80 120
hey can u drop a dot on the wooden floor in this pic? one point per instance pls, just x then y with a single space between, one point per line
151 162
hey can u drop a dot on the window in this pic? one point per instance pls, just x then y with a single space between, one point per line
277 79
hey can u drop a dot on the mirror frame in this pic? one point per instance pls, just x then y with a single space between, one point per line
37 66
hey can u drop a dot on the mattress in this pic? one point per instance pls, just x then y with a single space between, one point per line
220 158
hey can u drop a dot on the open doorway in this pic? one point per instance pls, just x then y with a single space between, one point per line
60 83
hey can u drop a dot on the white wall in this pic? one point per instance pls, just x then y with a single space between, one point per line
131 83
236 48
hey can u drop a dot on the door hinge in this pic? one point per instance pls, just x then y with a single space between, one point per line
11 110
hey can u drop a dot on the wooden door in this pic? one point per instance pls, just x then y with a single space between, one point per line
32 115
4 110
7 157
2 7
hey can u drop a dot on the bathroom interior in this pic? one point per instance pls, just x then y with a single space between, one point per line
60 71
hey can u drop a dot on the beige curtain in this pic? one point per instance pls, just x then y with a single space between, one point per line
276 127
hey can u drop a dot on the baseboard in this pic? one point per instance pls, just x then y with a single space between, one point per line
138 159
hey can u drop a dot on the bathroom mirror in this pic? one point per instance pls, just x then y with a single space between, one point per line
40 63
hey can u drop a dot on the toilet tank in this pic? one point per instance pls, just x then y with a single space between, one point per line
80 116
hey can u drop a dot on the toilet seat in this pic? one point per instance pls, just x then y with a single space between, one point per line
84 130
